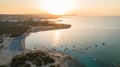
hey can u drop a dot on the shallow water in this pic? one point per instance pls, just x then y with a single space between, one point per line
94 41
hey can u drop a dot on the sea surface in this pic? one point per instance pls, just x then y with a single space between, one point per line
93 41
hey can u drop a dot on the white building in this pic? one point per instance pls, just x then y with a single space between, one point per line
12 20
35 20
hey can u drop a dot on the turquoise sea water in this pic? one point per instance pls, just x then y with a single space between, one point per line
93 41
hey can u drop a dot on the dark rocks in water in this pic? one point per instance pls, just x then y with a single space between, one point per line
89 46
61 45
66 49
73 46
103 43
80 49
65 45
96 45
72 49
53 49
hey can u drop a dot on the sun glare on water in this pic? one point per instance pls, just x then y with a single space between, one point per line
58 7
56 38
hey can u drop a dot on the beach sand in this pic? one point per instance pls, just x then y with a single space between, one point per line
6 55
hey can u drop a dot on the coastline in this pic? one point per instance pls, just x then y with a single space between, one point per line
5 52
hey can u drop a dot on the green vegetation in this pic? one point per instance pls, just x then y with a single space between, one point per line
2 46
15 29
1 41
55 65
27 65
52 65
38 58
3 66
18 28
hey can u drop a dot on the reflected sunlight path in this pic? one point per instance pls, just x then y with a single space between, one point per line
56 38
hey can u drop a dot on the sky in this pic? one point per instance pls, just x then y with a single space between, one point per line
82 7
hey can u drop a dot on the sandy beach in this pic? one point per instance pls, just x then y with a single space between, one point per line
16 45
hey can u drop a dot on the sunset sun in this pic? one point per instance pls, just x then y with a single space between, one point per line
58 7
